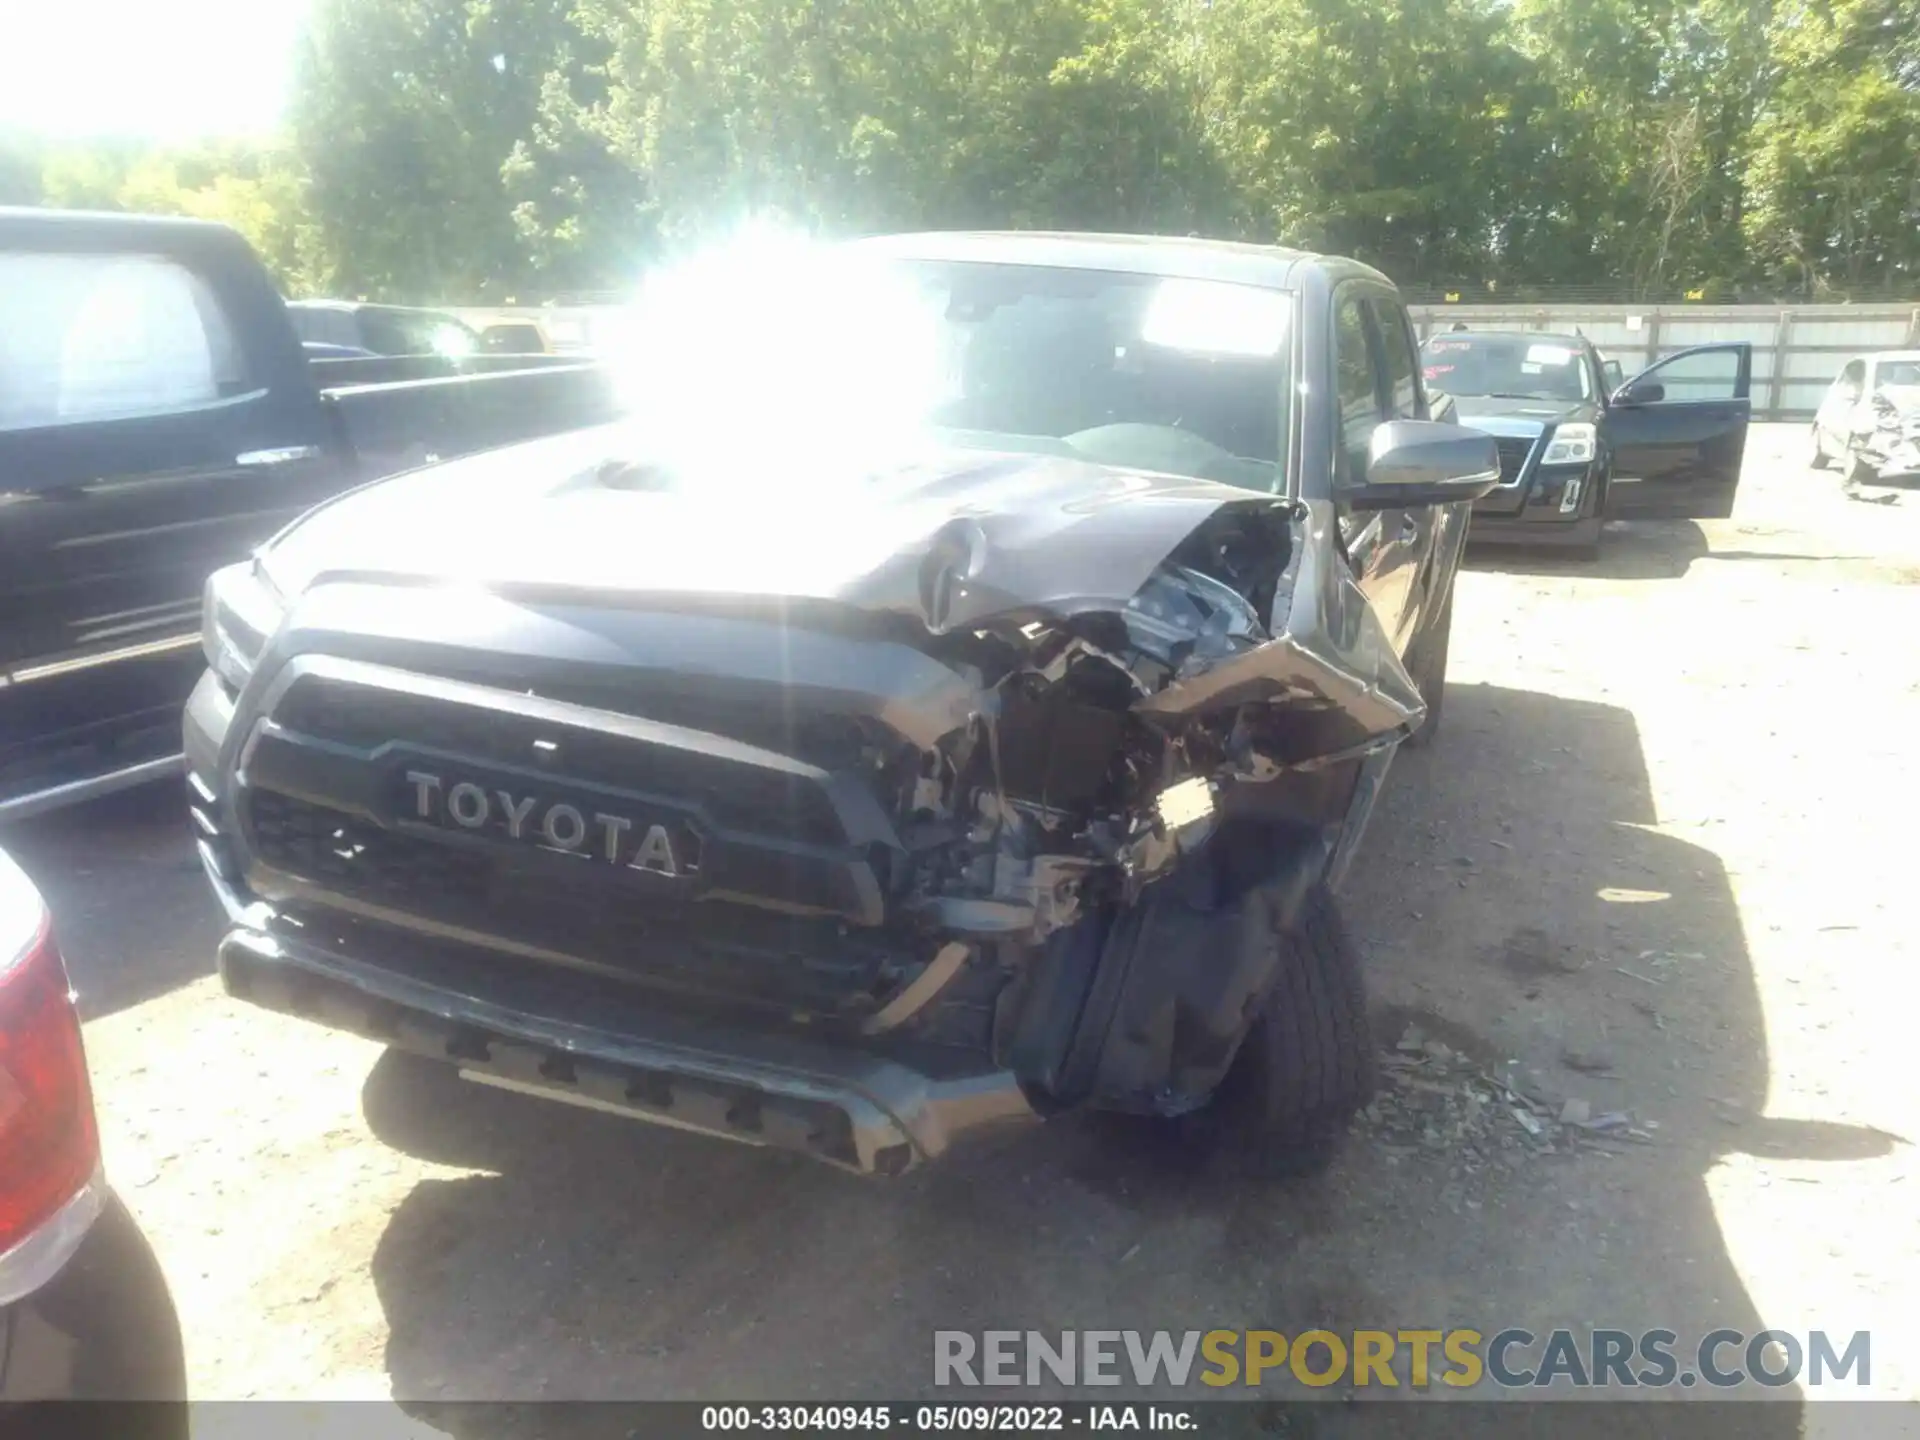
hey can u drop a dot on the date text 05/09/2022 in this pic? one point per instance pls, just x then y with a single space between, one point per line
934 1419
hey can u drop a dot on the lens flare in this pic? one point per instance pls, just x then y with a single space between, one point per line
773 360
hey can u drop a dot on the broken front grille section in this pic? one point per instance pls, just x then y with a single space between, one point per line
734 795
831 741
726 951
354 858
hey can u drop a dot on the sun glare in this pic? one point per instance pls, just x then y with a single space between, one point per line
133 69
770 354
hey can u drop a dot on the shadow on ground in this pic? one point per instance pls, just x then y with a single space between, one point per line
133 915
1636 550
1508 871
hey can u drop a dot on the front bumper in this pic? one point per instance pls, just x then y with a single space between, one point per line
851 1107
856 1111
1550 505
1536 503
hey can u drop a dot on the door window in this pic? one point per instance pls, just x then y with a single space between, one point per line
1852 380
1356 388
1396 349
1709 375
109 337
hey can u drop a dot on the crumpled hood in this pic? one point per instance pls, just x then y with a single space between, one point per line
952 537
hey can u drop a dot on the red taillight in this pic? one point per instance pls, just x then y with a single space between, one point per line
49 1147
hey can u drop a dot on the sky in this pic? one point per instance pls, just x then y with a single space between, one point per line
146 69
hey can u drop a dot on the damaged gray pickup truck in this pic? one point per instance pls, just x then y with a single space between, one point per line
951 698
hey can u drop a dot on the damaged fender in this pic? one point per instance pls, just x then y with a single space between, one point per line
1276 702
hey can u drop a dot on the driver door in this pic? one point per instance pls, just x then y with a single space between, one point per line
1384 547
1676 434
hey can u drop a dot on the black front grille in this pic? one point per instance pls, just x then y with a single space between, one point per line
733 795
353 857
1513 457
730 951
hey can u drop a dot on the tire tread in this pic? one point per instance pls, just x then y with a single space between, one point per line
1308 1065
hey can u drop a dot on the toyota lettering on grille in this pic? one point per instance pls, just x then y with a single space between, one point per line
554 824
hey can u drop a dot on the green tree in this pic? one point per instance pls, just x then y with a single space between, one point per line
481 149
1396 132
258 191
408 115
1835 185
871 114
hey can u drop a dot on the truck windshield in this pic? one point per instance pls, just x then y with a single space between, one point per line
862 358
1519 367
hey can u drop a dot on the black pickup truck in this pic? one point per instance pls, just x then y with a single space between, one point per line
953 699
158 419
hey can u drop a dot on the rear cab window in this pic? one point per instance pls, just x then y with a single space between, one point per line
94 337
414 332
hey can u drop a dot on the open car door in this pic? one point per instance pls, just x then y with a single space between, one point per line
1677 431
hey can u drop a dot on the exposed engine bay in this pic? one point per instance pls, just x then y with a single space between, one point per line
1110 749
1059 792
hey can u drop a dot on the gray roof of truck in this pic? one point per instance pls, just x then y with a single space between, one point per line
1173 256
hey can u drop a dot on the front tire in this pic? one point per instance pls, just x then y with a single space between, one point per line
1307 1065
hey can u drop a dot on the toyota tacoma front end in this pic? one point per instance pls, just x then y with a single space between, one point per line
882 801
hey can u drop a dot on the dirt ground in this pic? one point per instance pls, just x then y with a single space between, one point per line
1660 864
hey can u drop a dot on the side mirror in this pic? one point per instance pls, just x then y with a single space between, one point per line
1425 462
1641 392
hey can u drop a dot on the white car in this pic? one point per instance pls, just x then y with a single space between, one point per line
1869 421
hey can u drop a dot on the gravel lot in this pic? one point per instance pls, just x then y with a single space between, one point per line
1659 865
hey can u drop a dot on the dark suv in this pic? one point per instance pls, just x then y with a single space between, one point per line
1577 449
